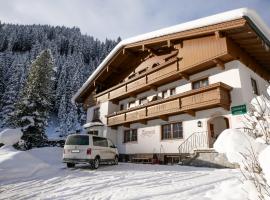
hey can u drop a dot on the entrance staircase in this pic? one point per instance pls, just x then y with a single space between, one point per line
195 151
187 149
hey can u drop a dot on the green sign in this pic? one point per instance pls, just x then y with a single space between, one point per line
239 110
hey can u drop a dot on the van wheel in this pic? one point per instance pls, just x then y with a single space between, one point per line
115 160
70 165
95 163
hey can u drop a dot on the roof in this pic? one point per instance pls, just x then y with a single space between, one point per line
202 22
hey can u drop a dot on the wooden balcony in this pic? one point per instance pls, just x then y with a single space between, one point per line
214 95
166 72
206 52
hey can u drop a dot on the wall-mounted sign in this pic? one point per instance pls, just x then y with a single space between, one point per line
239 110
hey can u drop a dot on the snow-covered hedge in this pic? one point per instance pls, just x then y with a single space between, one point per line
10 136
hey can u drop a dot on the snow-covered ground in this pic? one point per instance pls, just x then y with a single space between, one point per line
39 174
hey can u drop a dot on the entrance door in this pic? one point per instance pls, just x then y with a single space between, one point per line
215 127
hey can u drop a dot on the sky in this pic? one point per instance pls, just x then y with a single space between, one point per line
125 18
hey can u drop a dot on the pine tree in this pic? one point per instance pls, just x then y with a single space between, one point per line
32 110
10 95
75 57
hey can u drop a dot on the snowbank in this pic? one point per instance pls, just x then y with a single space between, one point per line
235 144
264 160
16 165
10 136
228 190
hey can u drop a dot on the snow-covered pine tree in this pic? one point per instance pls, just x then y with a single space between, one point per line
10 95
20 44
32 110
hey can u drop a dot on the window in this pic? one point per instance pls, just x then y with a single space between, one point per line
254 86
172 131
96 114
200 83
164 94
99 141
93 132
130 135
172 91
143 101
78 140
121 106
131 104
166 131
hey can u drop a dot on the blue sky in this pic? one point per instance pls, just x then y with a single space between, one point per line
124 18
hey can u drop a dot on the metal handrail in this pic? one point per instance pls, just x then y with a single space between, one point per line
194 141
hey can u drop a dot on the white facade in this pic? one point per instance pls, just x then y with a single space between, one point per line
236 75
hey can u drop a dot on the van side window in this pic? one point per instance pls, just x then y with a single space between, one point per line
100 142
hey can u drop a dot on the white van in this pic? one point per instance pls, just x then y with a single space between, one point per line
83 148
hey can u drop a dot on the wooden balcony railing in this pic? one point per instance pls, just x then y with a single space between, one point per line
166 72
214 95
209 51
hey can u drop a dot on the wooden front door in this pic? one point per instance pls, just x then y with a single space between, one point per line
212 135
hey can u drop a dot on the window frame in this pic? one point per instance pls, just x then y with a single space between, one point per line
132 102
171 133
164 92
200 83
130 135
96 113
121 107
172 89
143 99
254 84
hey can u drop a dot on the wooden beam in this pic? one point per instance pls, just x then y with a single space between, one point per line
191 113
169 43
143 122
226 107
132 95
164 117
218 34
127 125
153 87
185 76
220 63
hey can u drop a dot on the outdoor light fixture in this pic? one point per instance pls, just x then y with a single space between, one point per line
199 124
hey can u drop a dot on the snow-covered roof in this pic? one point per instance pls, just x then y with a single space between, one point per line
202 22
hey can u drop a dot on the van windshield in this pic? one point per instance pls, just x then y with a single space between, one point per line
78 140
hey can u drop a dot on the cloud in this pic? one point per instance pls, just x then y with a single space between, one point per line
113 18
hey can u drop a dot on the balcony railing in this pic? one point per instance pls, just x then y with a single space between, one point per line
168 71
208 52
214 95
